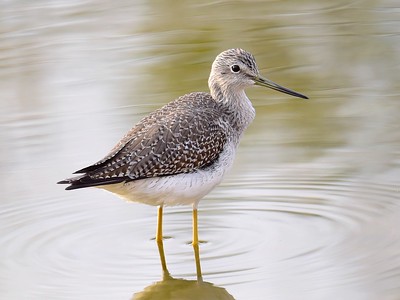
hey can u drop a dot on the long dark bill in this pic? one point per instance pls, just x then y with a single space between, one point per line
272 85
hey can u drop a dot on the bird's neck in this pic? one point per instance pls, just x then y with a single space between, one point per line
240 111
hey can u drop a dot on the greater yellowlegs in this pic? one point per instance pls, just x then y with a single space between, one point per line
180 152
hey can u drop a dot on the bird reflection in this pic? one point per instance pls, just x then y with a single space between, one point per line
181 289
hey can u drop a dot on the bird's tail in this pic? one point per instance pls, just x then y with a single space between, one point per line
85 180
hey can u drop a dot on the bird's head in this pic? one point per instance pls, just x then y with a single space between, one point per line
235 69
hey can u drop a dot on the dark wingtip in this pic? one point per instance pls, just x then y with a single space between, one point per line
65 181
73 187
80 171
84 181
87 169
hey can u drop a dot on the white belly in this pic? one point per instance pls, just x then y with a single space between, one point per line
181 189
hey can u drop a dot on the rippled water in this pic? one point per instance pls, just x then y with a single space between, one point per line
311 209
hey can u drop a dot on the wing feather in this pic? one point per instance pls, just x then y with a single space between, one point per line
186 135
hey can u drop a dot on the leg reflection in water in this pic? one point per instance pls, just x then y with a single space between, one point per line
170 288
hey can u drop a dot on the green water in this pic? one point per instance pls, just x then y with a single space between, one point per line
311 209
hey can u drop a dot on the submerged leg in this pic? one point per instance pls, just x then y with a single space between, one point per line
162 258
197 260
195 243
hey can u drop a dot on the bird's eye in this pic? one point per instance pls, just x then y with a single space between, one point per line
235 68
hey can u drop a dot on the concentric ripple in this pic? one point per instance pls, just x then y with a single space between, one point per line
322 229
279 224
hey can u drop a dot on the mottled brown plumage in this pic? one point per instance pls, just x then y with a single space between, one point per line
181 137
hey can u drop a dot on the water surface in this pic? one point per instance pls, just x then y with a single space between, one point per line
311 209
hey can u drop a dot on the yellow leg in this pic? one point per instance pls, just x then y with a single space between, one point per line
198 266
159 236
195 243
195 240
162 258
159 239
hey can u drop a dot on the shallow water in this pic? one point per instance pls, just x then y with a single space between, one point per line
311 209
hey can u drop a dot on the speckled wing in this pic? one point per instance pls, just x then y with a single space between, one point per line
183 136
